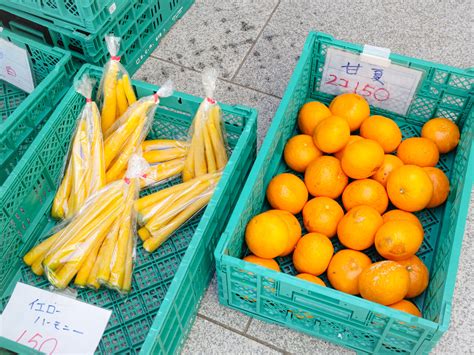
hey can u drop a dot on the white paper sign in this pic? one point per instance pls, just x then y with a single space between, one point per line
52 323
389 87
15 66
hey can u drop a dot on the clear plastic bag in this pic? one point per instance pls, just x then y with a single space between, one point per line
163 212
115 90
84 171
207 151
161 150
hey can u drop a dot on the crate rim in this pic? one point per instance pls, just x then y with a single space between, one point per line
220 252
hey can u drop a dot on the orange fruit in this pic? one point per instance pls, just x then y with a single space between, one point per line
287 192
331 134
322 215
390 163
440 186
313 253
310 115
268 263
409 188
352 139
324 177
419 275
311 278
443 132
383 130
300 151
407 307
352 107
398 240
267 235
418 151
294 229
345 268
399 215
365 192
385 282
362 158
357 228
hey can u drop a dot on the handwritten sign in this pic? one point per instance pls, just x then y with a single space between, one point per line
52 323
15 66
390 87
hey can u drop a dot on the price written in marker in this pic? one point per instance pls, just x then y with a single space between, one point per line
15 66
52 323
390 87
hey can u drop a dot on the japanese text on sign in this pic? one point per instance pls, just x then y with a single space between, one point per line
15 66
389 87
52 323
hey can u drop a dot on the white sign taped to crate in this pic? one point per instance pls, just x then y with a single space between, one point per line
51 322
15 66
383 84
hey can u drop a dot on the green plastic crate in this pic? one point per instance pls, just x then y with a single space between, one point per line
334 316
86 15
167 284
23 114
141 25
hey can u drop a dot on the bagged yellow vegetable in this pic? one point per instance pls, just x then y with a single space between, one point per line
115 90
84 171
207 151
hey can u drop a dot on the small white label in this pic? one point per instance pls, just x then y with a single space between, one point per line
390 87
52 323
112 8
15 66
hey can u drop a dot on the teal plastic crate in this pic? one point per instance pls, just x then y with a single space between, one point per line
343 319
167 284
141 25
86 15
23 114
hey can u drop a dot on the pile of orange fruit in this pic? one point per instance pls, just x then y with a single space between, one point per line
355 165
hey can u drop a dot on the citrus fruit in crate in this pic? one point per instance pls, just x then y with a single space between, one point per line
383 130
312 254
440 186
419 275
398 240
352 107
311 278
351 140
357 228
324 177
300 151
385 282
287 192
418 151
267 235
399 215
345 268
365 192
294 229
362 158
331 134
390 163
311 113
322 215
443 132
409 188
268 263
407 307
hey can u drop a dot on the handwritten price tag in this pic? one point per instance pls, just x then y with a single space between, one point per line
15 66
52 323
389 87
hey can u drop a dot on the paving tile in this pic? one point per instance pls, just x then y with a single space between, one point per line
209 338
291 341
217 33
156 71
211 308
428 29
